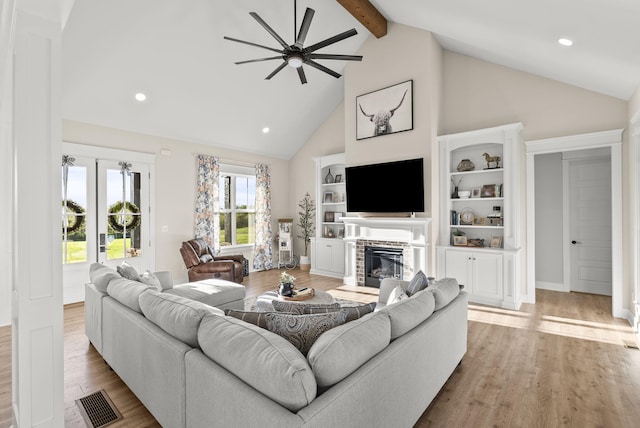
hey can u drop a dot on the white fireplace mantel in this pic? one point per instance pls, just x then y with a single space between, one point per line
412 231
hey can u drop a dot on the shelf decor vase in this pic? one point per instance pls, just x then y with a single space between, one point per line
328 179
466 165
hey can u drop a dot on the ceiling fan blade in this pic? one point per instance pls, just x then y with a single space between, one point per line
323 68
269 29
277 70
339 57
252 44
259 59
304 27
303 77
332 40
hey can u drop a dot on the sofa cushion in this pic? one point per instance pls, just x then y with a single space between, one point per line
151 280
213 292
353 312
408 313
127 271
418 283
262 359
444 291
342 350
299 307
176 315
303 330
127 292
100 276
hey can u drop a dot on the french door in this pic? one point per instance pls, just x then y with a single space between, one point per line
106 217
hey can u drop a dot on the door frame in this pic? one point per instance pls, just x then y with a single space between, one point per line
593 140
105 153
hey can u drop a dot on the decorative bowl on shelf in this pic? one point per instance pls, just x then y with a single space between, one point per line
464 194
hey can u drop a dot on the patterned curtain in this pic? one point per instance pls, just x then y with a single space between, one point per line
262 251
207 221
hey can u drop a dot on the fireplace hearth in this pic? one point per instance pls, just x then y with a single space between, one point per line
380 263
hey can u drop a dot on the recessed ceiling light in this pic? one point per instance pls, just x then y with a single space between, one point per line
140 96
265 130
565 42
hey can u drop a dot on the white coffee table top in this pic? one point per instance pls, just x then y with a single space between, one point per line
263 302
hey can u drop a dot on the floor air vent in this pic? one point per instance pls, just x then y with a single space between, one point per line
98 410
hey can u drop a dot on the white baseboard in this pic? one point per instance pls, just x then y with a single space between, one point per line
552 286
628 315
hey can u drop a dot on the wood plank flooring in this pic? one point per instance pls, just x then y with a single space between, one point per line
561 362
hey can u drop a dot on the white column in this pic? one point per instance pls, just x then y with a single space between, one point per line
37 317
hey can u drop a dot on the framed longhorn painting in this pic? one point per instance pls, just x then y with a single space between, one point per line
385 111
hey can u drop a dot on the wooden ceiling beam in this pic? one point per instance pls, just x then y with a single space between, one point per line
367 14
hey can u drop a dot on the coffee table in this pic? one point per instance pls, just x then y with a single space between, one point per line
263 302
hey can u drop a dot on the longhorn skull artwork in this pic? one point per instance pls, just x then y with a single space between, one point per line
381 118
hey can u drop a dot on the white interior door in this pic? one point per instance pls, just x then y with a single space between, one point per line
123 214
590 225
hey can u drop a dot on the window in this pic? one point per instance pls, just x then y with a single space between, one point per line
74 210
237 193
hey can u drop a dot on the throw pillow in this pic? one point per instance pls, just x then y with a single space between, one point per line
127 271
396 295
298 308
303 330
151 280
255 318
418 282
353 312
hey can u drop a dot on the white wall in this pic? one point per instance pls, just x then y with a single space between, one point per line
548 183
175 183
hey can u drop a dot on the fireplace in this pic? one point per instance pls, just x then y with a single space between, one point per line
408 236
380 263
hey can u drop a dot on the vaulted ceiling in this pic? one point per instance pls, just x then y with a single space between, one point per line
174 52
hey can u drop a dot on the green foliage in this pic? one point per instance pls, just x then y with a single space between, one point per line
305 222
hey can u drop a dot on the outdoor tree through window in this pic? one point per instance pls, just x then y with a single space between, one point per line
237 209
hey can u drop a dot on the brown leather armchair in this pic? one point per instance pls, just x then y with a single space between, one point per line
203 264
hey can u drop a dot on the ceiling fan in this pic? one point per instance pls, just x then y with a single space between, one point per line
296 55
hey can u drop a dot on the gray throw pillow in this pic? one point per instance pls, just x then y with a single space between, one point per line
418 282
255 318
298 308
353 312
151 280
303 330
127 271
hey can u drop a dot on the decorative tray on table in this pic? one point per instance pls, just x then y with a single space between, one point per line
302 294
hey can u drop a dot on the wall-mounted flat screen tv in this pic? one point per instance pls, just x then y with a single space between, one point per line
386 187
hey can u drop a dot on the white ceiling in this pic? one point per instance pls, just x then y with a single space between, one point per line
175 53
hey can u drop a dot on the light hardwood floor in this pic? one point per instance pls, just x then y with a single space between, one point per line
561 362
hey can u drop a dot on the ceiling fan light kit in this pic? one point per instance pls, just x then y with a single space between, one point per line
296 55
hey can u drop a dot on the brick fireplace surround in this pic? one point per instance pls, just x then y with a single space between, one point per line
410 234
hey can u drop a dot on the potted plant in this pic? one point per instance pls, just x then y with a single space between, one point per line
307 228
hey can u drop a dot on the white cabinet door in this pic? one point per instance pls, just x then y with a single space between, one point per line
328 257
323 255
487 272
458 266
337 257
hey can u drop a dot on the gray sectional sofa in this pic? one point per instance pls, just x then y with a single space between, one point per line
192 366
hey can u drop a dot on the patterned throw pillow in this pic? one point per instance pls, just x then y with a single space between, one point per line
127 271
255 318
303 330
298 308
418 283
151 280
353 312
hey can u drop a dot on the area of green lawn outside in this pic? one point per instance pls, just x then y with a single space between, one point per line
77 250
